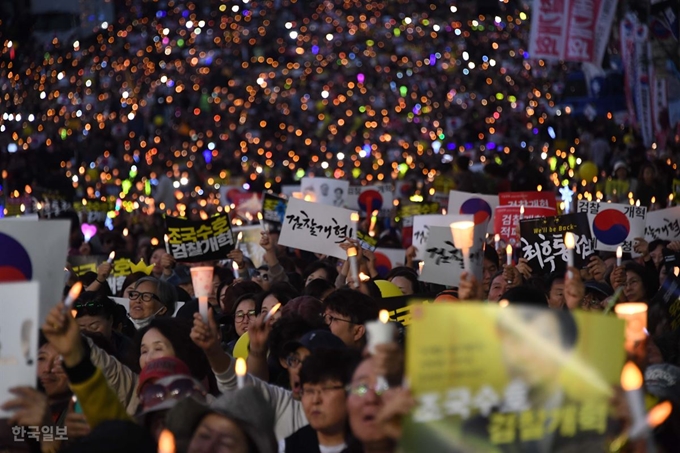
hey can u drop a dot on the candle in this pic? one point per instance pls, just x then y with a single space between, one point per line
631 381
272 312
443 211
374 219
353 266
166 442
420 267
234 266
463 238
262 225
508 255
354 218
201 280
240 369
112 256
380 331
521 213
238 240
73 294
635 316
619 255
570 243
670 200
497 241
167 244
125 232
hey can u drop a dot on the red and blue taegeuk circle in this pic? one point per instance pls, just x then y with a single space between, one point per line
382 264
611 227
478 208
370 200
15 262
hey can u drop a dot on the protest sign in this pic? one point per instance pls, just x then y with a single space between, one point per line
316 228
543 242
287 190
510 378
480 206
663 224
405 213
250 243
122 267
614 225
422 225
366 241
444 262
50 208
528 199
19 326
199 240
35 250
273 212
366 199
326 191
387 259
506 220
94 210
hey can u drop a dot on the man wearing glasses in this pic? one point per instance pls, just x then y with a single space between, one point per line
346 313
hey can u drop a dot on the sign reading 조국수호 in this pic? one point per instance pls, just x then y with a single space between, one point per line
422 225
19 326
316 228
199 240
273 212
510 379
482 207
663 224
543 242
614 225
444 262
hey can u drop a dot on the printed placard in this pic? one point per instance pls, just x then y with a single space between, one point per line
273 211
528 199
663 224
614 225
35 250
510 378
543 242
387 259
506 220
199 240
444 262
422 225
328 191
366 199
316 228
482 207
19 325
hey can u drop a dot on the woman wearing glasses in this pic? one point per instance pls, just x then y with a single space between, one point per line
243 312
149 298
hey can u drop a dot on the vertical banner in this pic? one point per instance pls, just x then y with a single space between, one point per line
199 240
422 225
614 225
316 228
515 379
273 211
19 326
543 242
35 251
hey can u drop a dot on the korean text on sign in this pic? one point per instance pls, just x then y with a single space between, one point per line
199 240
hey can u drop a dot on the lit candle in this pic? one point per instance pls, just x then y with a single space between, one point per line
166 442
240 369
73 294
354 218
238 240
167 243
353 265
508 255
570 243
670 200
234 267
112 256
443 211
631 381
272 312
521 213
619 255
379 331
463 238
363 277
420 267
497 241
655 417
125 232
374 219
201 280
261 219
635 316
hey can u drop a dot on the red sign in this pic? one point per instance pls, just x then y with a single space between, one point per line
506 220
533 199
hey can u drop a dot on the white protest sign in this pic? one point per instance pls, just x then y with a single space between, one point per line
423 223
250 243
443 263
35 251
316 228
614 225
125 302
481 207
387 259
19 325
289 189
663 224
366 199
332 192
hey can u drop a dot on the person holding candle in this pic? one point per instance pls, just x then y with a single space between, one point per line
163 263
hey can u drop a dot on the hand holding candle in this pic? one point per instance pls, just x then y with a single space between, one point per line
240 369
353 265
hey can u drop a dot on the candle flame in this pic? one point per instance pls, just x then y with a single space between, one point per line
259 216
74 313
631 377
653 200
659 414
676 271
354 217
504 303
234 265
569 241
363 277
125 232
240 236
630 308
521 209
166 442
497 238
75 290
240 367
384 316
273 311
619 251
508 250
352 251
112 256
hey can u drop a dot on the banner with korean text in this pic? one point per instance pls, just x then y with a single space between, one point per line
316 228
511 379
422 225
482 207
122 267
273 212
663 224
506 220
543 242
199 240
614 225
